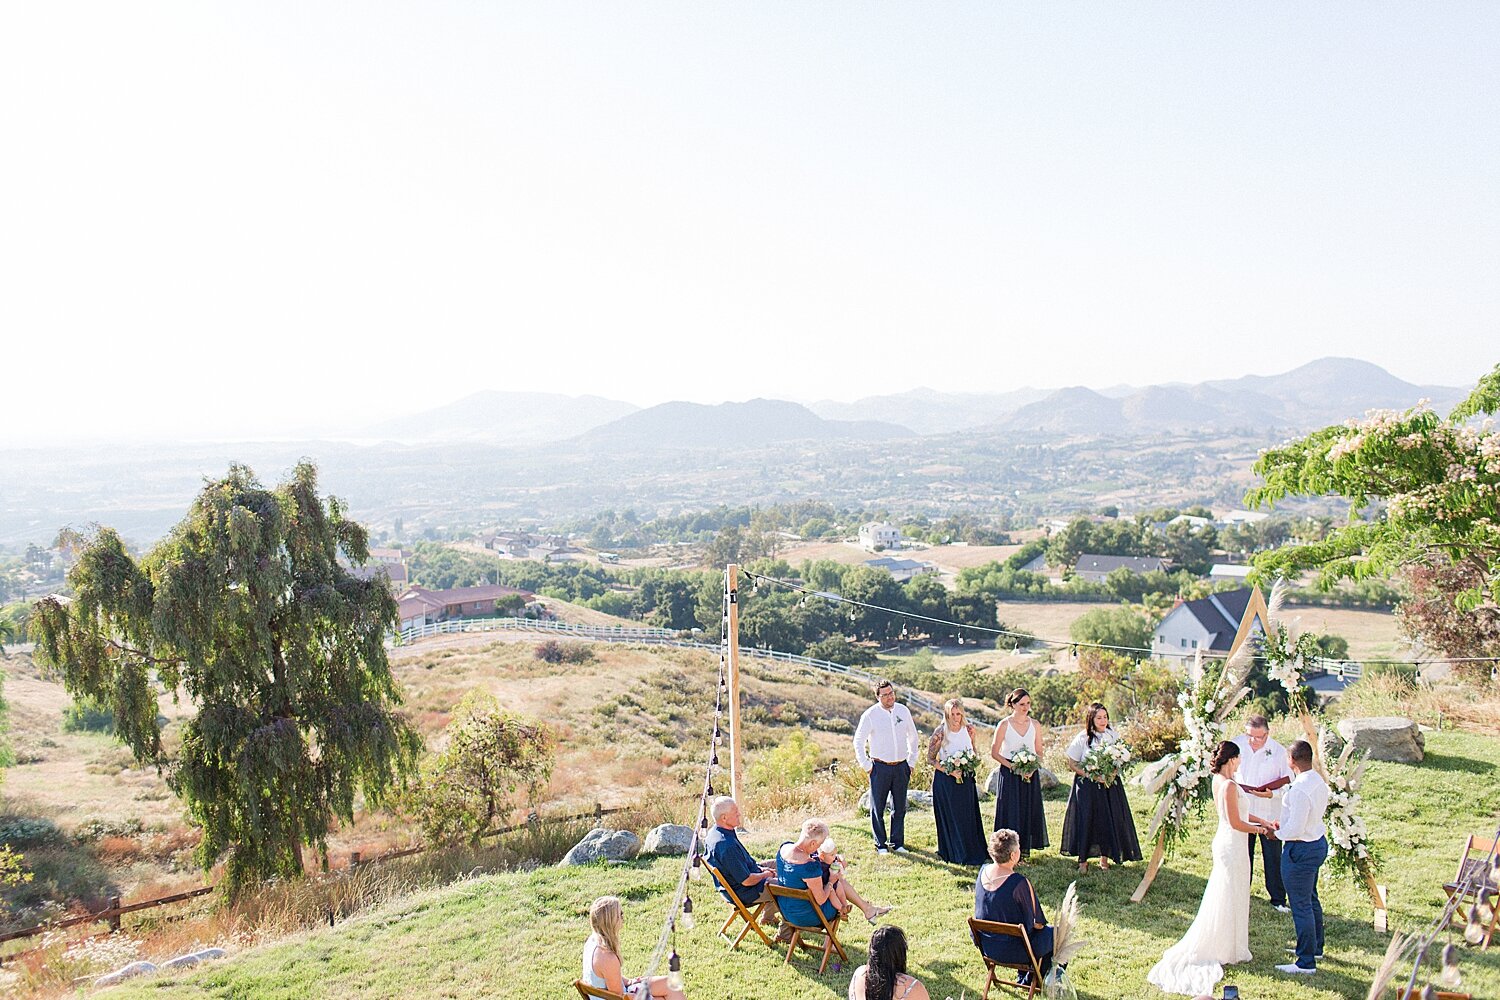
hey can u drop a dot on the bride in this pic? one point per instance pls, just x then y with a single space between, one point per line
1220 934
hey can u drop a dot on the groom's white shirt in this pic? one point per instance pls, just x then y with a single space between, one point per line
1302 812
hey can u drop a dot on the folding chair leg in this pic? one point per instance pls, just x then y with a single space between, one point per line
724 931
988 982
827 950
792 947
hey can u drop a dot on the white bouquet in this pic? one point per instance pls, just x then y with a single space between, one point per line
1024 762
963 765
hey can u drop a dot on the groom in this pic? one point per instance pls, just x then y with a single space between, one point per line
1304 848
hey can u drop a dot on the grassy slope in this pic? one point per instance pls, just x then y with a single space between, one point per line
521 933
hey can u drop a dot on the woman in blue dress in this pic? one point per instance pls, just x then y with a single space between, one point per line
1018 805
955 795
1004 895
798 866
1098 821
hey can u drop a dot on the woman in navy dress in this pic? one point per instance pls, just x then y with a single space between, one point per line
1018 806
955 796
1005 895
1098 821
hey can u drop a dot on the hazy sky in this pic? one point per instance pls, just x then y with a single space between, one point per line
255 217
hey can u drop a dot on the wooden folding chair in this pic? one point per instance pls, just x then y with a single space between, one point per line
1474 869
741 912
978 927
1440 995
828 930
586 992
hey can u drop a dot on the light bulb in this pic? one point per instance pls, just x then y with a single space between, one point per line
1450 966
696 872
687 922
674 973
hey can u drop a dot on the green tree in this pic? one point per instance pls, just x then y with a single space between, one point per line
838 649
247 608
1424 492
489 755
1112 627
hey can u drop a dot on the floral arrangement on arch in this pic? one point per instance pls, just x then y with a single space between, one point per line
1183 781
1287 649
1350 851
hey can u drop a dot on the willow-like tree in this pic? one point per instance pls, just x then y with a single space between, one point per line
246 610
1425 502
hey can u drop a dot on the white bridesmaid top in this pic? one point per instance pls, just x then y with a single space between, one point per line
1079 748
954 743
1014 741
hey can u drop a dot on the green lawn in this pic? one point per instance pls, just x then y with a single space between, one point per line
520 934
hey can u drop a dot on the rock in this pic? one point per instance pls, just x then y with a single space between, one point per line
192 958
669 838
915 799
1047 778
128 972
600 844
1388 737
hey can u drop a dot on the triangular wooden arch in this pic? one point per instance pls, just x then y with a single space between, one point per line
1254 608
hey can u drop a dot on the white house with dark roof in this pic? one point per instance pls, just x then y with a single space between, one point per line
1208 623
901 569
1095 568
879 535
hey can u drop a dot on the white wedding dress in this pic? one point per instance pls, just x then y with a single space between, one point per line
1220 934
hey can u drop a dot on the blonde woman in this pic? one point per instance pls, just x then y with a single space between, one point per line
798 866
955 795
601 956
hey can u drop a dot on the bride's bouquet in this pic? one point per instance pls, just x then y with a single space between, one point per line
1024 762
1105 763
964 765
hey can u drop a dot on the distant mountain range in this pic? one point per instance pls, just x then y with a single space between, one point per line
1316 394
751 424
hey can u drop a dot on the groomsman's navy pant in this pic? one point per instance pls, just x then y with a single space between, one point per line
1270 852
887 780
1300 861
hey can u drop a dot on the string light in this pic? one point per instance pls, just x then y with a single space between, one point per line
686 920
674 973
1450 966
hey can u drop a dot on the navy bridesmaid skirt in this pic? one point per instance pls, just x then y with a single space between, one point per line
1018 807
960 831
1098 823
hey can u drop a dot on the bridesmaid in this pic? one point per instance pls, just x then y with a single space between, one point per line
1098 821
955 797
1018 806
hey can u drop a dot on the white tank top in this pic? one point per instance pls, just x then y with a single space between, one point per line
954 743
590 977
1014 741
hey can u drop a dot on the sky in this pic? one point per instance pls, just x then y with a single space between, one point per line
253 219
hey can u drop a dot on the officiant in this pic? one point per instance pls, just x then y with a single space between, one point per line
1264 772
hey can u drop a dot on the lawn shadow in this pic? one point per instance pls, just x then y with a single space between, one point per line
1453 762
63 870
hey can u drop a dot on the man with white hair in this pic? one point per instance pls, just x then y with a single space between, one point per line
1264 771
747 877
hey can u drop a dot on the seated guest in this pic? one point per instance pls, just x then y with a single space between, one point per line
884 977
1004 895
746 876
798 866
601 957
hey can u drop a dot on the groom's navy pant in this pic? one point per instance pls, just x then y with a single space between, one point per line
888 781
1300 861
1270 853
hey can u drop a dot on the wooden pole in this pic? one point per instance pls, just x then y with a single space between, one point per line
732 642
1150 876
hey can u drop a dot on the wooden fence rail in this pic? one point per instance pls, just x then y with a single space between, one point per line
115 910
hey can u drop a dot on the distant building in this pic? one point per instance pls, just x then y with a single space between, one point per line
1209 623
879 535
420 606
1243 517
394 572
1095 568
392 557
1192 520
901 569
1229 571
1037 564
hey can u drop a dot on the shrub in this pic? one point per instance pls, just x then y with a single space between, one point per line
86 715
786 765
93 830
552 651
1154 735
549 651
788 714
833 725
28 831
490 753
118 850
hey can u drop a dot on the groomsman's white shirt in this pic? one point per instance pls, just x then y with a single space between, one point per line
1302 813
1257 767
892 736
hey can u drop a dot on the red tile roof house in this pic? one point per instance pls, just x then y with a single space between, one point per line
420 606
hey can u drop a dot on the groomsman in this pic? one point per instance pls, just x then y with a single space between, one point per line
1264 768
1304 849
886 745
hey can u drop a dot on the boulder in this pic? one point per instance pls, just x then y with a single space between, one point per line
1389 737
600 844
669 838
192 958
128 972
992 783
